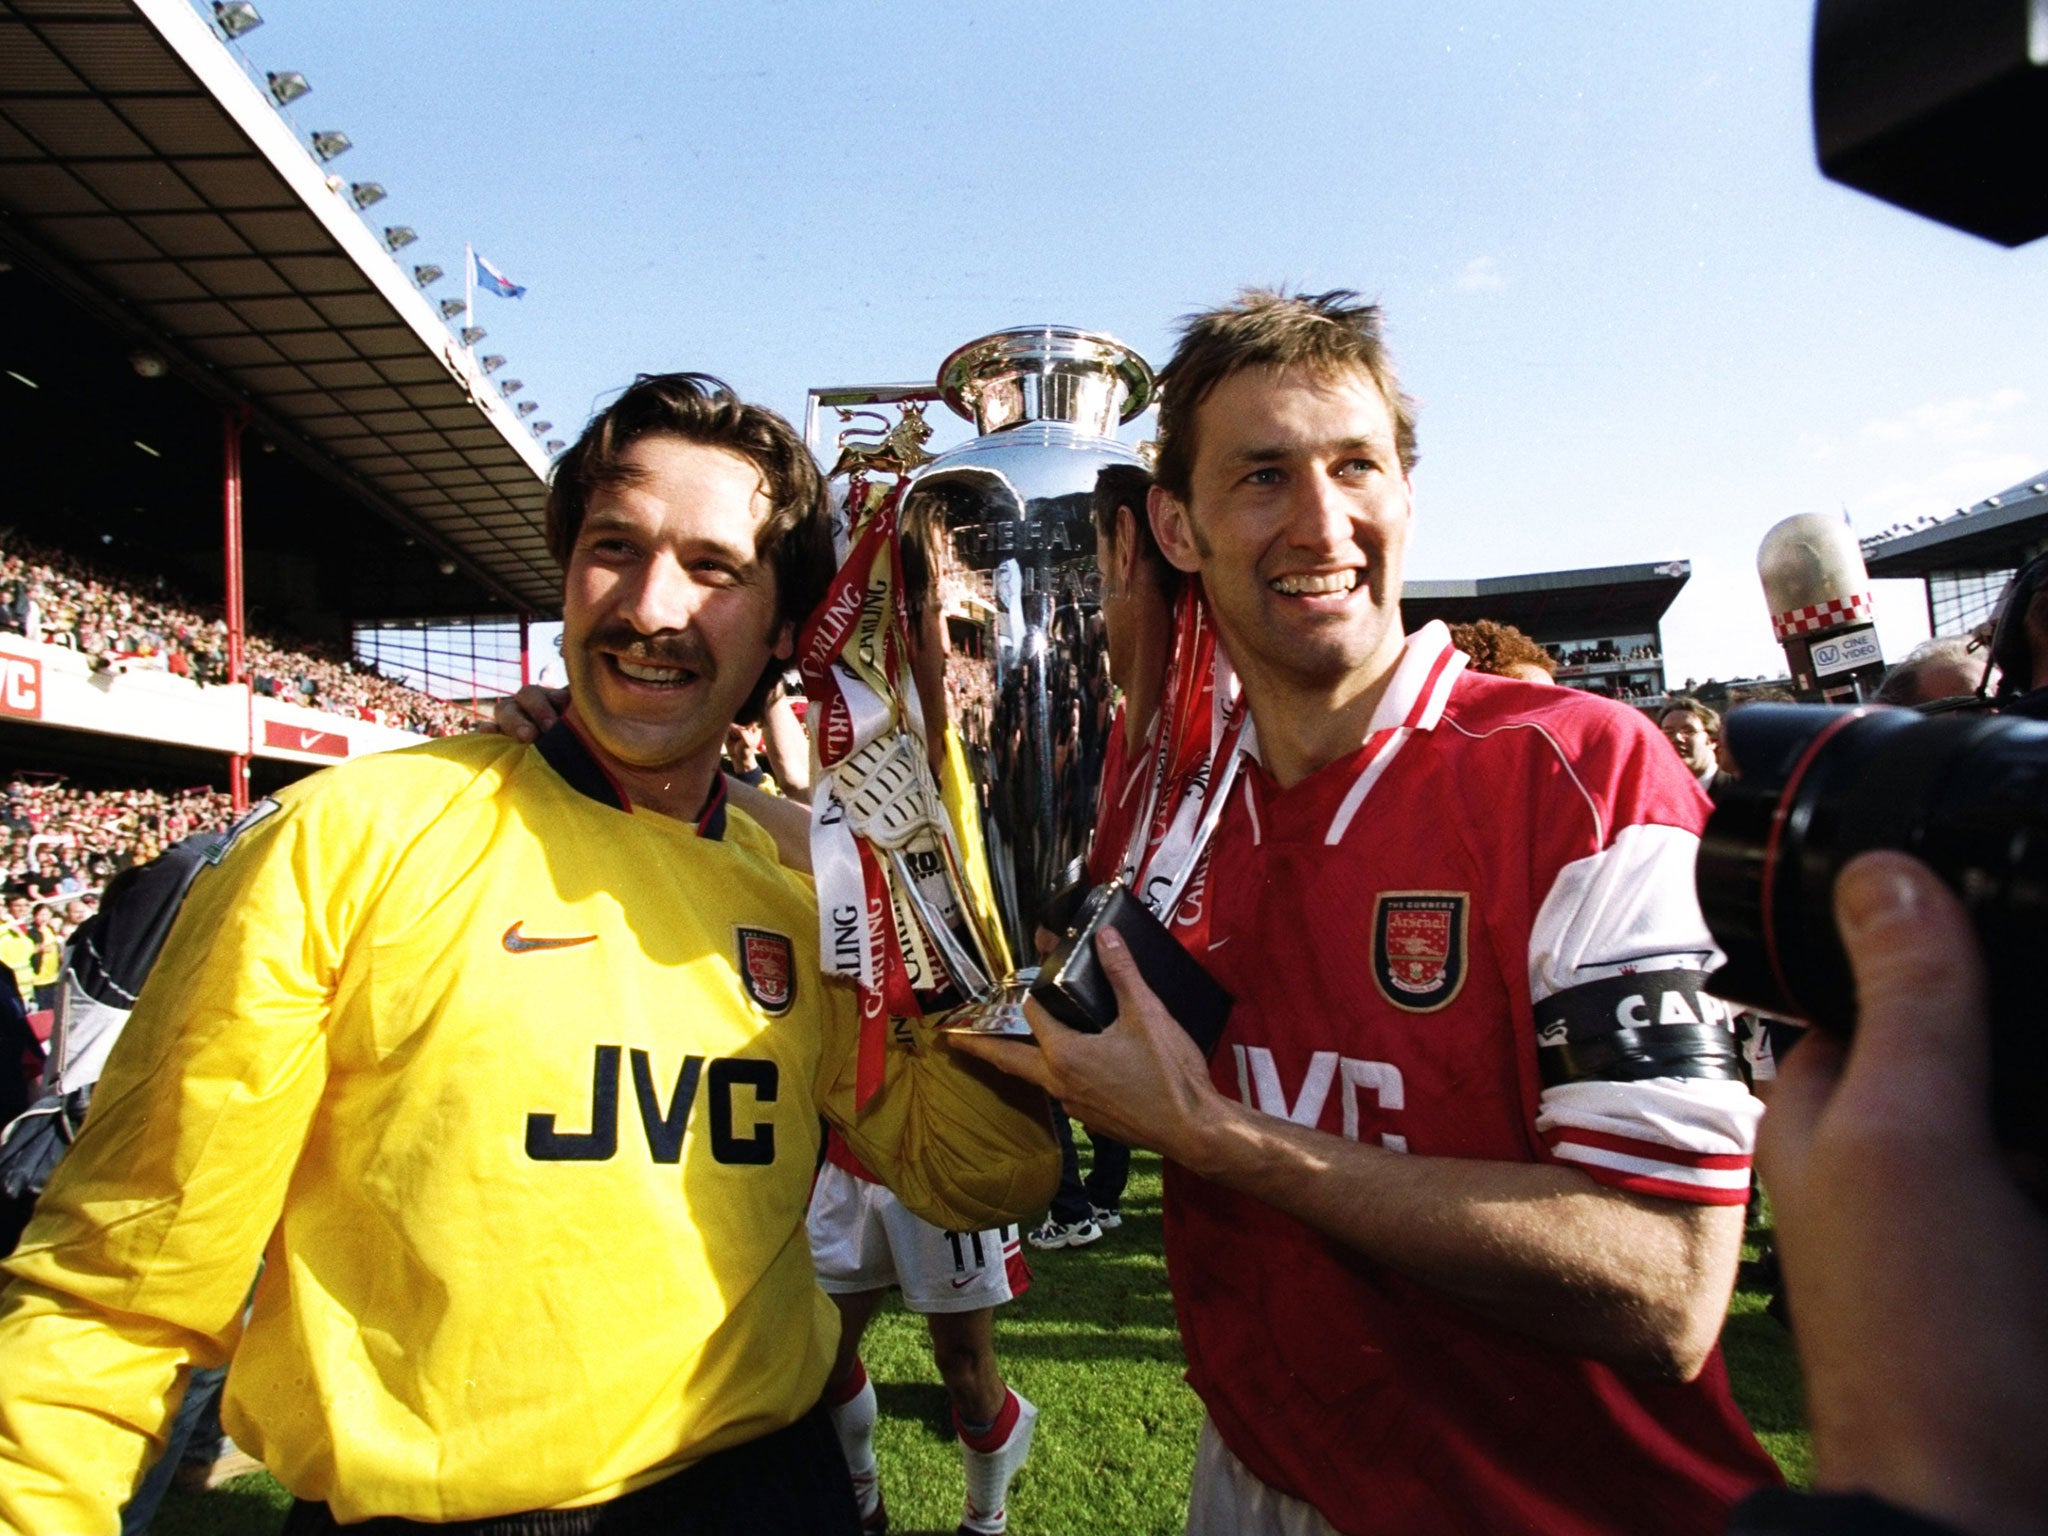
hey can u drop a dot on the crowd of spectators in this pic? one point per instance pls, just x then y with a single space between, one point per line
60 840
55 597
60 845
1604 650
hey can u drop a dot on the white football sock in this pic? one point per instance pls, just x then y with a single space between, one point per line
854 1422
989 1471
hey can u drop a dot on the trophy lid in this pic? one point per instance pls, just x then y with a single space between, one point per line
1051 373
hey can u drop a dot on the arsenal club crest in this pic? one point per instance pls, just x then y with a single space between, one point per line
1418 947
767 968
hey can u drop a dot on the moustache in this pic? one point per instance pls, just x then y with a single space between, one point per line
670 648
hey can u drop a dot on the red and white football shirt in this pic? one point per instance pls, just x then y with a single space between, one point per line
1122 798
1498 871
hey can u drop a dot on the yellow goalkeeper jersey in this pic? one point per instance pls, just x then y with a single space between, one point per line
516 1093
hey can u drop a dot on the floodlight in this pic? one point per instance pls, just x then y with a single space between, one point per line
450 308
330 142
236 17
399 236
511 387
287 85
556 445
364 193
493 363
542 426
427 273
472 334
527 407
147 365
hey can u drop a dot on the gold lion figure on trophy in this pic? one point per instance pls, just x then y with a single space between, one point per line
896 450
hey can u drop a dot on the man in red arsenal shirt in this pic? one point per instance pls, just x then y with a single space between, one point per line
1453 1210
1138 593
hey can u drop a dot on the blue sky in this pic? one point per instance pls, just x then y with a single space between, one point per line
1640 324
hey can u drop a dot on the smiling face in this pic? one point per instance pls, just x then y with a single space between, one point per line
669 614
1297 521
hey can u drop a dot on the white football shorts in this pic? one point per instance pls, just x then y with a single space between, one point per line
863 1239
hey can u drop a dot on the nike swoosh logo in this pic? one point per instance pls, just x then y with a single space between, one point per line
518 944
957 1284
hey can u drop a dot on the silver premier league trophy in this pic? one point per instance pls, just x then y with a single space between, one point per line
960 698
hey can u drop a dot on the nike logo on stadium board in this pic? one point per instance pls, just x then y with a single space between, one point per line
518 944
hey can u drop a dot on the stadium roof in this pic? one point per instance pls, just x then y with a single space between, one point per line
1998 533
1555 605
144 173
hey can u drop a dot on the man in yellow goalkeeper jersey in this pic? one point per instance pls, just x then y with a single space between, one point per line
508 1060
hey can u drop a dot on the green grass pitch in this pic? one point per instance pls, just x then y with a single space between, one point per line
1093 1344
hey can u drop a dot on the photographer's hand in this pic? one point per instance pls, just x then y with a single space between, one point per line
1917 1269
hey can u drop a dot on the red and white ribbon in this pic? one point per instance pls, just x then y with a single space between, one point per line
884 852
1195 756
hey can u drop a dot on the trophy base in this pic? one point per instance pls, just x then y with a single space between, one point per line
1001 1015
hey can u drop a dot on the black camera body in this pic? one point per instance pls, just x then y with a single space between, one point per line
1074 989
1966 793
1935 108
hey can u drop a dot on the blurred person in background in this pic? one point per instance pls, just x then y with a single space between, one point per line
1946 667
1139 590
1501 650
48 931
18 947
1694 732
866 1242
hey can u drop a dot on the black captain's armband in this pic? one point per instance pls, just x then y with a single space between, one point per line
1624 1029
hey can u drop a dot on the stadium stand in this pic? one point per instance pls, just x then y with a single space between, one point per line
62 841
233 424
59 599
1601 626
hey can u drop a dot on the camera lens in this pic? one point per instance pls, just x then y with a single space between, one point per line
1966 794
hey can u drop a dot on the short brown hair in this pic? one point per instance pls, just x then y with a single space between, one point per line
1127 485
1494 648
1329 334
795 539
1767 693
1685 704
